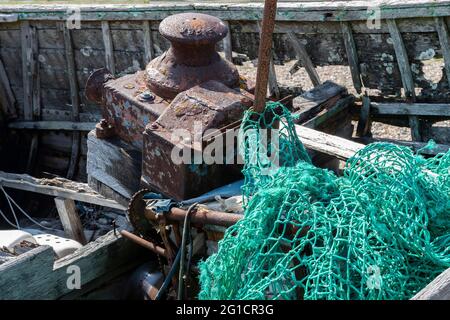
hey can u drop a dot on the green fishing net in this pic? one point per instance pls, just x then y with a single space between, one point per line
379 231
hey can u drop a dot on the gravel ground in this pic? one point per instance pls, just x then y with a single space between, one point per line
340 75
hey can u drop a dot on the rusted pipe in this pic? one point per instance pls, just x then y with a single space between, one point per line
199 216
143 243
264 54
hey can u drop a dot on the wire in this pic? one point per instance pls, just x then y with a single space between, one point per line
7 220
186 227
23 211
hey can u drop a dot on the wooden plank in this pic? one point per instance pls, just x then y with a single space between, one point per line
109 48
9 17
27 58
75 99
57 187
227 45
28 266
52 125
364 122
328 114
326 143
9 100
115 164
419 147
438 289
411 109
309 104
444 40
148 41
406 74
35 274
303 56
70 219
352 55
286 11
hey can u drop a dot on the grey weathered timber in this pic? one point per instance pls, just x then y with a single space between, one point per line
57 187
227 45
442 30
9 17
27 61
303 56
109 47
364 121
411 109
286 11
36 275
326 143
406 74
352 55
309 104
438 289
52 125
75 99
329 113
70 219
114 164
148 41
31 85
8 99
419 147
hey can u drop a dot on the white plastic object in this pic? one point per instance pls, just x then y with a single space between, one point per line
11 238
61 246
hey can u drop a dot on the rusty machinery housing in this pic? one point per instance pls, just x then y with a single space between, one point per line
188 83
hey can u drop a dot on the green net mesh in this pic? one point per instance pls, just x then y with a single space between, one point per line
379 231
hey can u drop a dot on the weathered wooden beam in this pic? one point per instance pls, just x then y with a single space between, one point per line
31 85
227 45
328 114
438 289
70 219
309 104
52 125
326 143
411 109
419 147
36 275
406 74
286 11
57 187
9 17
352 55
8 99
444 40
364 121
109 47
27 59
148 41
75 100
302 55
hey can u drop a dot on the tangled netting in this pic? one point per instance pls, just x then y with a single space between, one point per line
379 231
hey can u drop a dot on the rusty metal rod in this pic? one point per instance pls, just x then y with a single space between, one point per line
264 54
200 216
143 243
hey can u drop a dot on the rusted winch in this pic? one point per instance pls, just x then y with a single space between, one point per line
187 85
192 58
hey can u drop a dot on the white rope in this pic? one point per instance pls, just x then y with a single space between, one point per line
7 220
23 211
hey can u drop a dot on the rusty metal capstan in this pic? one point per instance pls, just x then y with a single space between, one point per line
192 58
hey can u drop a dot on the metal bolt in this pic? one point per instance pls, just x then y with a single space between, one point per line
146 96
